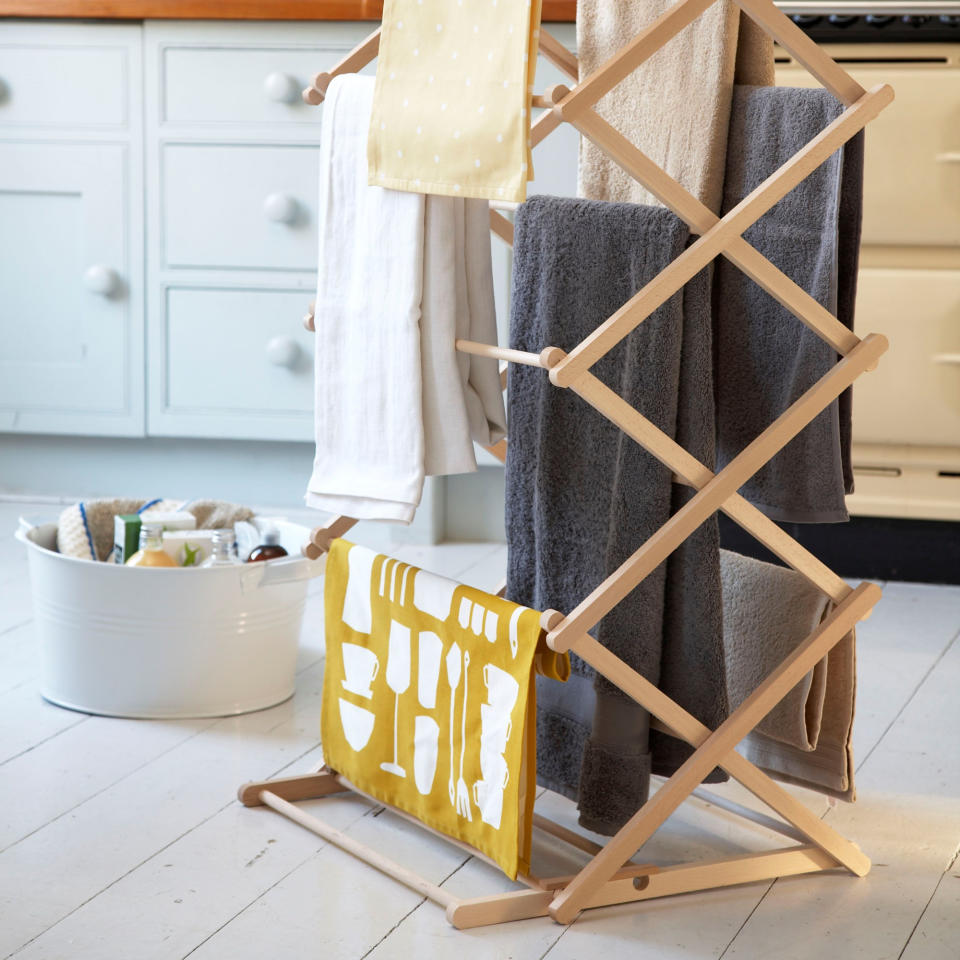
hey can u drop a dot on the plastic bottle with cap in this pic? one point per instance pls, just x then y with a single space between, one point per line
151 552
223 550
270 549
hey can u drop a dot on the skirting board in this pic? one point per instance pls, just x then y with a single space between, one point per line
873 548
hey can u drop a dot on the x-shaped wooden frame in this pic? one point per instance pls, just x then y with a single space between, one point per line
604 880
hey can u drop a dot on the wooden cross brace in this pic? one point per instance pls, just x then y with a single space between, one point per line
603 880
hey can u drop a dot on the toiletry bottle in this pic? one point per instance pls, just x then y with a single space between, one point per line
223 549
151 552
270 549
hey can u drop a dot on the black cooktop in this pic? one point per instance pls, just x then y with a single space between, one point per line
880 27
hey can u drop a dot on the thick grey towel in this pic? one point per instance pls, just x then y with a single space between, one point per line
582 496
765 357
768 611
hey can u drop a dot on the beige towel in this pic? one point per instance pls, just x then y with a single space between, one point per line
767 612
676 106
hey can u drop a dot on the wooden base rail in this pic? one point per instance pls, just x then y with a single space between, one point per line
610 876
628 883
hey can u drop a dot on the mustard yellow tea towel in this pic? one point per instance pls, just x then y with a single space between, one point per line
451 107
428 698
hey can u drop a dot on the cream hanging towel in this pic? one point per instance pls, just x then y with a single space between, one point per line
428 698
451 109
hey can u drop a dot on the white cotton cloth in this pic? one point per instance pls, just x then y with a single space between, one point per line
462 397
401 277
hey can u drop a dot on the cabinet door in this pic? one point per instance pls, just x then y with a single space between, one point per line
70 340
914 397
912 164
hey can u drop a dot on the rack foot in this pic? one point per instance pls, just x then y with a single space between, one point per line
308 786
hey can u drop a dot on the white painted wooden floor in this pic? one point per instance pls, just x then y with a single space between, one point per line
122 840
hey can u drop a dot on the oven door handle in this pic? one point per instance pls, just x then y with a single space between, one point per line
947 358
948 158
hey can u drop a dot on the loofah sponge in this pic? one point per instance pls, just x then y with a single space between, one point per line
85 529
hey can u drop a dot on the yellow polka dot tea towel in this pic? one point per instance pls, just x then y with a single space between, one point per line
429 699
451 109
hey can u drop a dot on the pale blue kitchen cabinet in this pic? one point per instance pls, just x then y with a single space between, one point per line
71 229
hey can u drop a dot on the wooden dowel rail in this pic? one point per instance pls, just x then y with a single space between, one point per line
567 836
354 61
544 358
360 850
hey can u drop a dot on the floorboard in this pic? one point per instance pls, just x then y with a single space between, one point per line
122 838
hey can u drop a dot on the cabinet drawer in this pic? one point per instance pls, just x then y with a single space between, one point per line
913 397
239 207
60 84
232 363
912 163
243 84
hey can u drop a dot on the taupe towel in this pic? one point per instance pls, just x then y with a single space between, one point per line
581 496
765 357
767 612
676 106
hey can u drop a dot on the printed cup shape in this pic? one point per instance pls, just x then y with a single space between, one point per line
493 766
428 669
360 669
357 724
495 728
426 736
501 687
489 798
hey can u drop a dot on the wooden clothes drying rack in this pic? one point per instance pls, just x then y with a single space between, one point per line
609 877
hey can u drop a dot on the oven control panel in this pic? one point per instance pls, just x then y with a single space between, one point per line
880 26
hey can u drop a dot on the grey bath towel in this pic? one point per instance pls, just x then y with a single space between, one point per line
582 496
765 357
768 611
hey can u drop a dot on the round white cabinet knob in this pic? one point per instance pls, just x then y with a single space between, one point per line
281 88
101 279
283 351
281 208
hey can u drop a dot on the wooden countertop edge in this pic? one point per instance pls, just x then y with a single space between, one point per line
553 10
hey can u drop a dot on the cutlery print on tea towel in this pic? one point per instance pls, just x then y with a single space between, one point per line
431 679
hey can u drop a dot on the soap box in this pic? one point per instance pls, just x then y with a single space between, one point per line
171 520
126 536
187 548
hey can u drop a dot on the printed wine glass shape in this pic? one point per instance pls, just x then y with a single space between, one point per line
453 681
398 680
463 795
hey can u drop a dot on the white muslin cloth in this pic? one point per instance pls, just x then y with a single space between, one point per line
401 276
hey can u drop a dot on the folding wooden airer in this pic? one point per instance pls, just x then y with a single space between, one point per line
609 877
